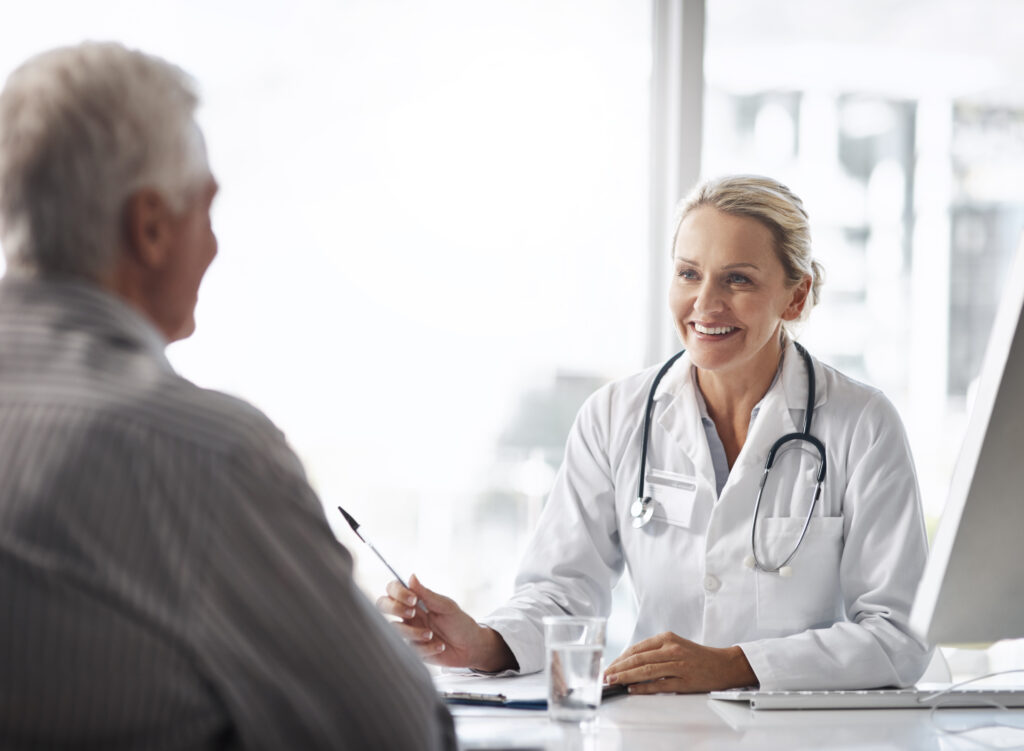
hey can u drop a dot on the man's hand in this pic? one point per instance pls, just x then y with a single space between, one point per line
667 663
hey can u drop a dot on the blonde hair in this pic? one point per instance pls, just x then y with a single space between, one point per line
775 206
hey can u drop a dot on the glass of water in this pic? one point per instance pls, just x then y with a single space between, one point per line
575 645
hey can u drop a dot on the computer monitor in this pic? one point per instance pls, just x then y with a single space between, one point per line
973 586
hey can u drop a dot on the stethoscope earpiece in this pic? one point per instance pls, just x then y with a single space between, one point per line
750 562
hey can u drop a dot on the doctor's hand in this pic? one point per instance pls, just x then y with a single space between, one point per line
445 635
668 663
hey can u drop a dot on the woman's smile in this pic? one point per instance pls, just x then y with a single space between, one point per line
729 294
711 331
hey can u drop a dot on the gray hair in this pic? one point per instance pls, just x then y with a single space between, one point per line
81 129
775 206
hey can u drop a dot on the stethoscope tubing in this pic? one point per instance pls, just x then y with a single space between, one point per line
642 510
648 414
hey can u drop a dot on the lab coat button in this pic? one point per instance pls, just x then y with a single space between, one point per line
711 583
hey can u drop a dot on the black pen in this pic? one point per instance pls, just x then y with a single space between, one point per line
355 528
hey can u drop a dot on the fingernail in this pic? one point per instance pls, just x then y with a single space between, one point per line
410 600
612 678
410 613
441 647
428 636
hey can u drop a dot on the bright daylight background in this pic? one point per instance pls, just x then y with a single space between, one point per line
434 230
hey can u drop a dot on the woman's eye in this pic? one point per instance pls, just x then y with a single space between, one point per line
738 279
686 273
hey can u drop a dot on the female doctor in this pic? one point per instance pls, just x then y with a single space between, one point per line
789 585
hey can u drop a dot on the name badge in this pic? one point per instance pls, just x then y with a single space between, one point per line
674 496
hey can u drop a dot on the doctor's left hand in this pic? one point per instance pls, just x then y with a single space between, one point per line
668 663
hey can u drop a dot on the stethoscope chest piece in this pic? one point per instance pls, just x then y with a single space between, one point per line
642 509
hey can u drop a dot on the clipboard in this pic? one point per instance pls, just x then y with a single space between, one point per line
469 698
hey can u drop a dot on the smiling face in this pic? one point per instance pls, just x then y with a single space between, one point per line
729 293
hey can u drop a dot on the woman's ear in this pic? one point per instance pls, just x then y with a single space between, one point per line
798 299
147 228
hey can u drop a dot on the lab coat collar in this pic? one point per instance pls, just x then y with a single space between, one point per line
681 417
677 379
781 411
792 381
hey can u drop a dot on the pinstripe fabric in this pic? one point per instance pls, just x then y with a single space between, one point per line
167 577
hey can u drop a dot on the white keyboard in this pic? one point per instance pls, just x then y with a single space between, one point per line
905 698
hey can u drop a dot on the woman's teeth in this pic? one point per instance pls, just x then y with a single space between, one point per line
714 330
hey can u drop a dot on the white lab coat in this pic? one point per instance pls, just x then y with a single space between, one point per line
839 622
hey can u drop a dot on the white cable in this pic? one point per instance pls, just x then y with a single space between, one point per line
986 726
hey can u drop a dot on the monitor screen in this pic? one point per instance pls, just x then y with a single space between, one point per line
973 586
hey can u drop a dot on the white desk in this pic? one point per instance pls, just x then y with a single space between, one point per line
695 722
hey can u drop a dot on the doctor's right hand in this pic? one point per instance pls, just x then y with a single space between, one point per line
445 635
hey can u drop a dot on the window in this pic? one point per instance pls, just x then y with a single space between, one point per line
434 224
901 125
433 229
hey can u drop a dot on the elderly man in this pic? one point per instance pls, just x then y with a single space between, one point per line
167 575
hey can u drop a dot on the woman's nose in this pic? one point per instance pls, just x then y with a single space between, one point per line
709 298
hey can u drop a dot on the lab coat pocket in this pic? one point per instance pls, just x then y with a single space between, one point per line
674 496
811 596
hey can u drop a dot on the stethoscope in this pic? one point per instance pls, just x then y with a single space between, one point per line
642 509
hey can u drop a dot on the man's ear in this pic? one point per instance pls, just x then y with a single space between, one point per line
796 304
147 228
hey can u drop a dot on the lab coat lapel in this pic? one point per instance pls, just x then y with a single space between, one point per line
782 410
729 530
773 421
783 406
795 383
681 418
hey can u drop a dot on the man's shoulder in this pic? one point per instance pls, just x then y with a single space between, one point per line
177 409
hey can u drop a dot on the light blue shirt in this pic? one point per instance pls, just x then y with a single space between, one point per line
715 445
